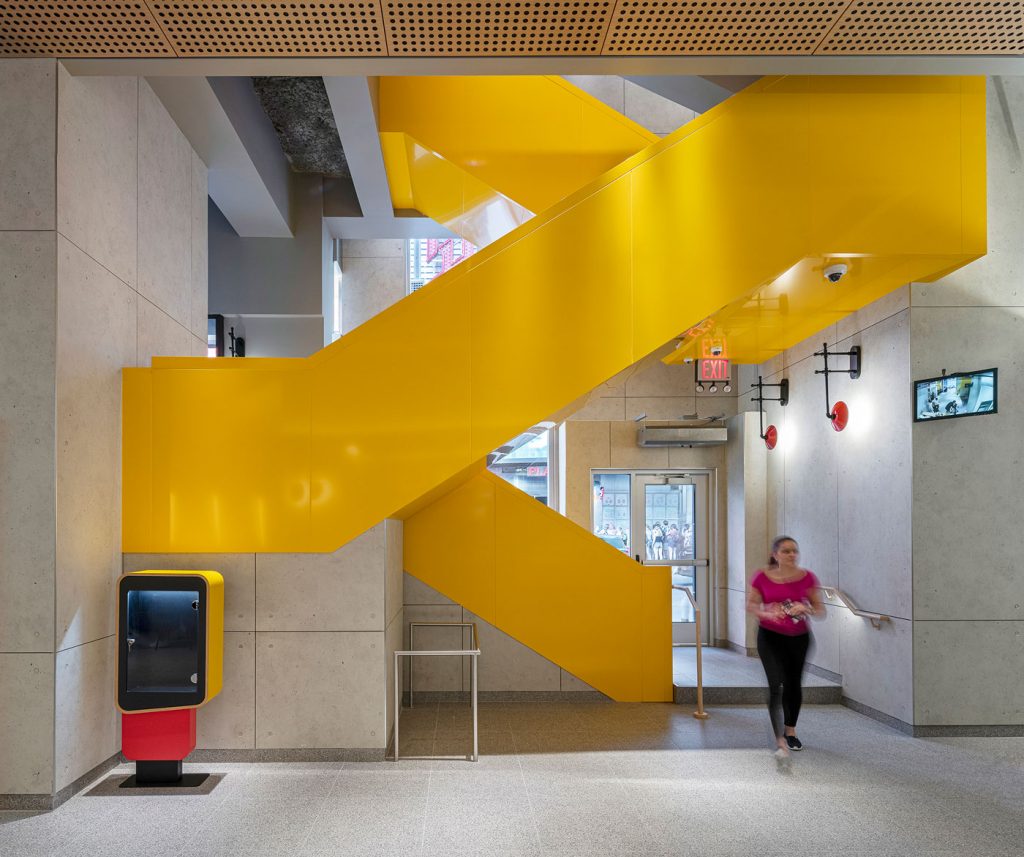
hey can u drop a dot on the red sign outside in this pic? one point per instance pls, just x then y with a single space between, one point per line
716 369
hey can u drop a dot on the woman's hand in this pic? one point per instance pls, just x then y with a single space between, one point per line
774 611
799 609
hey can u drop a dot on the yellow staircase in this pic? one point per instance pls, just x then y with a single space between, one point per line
303 455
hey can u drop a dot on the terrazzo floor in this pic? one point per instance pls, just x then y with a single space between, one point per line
580 778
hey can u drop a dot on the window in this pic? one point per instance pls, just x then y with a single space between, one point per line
526 464
431 257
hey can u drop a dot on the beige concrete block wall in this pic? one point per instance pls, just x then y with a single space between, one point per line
372 278
746 523
129 188
28 306
308 644
968 590
846 496
89 163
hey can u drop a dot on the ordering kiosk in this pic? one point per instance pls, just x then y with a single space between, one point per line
170 661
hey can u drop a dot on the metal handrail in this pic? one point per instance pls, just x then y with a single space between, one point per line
472 653
833 593
700 713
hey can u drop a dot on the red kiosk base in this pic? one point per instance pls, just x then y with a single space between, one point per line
158 741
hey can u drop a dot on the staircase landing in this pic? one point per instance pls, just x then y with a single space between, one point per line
731 678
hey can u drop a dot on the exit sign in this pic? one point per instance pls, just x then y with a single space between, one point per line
715 369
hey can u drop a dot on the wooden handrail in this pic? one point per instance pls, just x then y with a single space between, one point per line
700 713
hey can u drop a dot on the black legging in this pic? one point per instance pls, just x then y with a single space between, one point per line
783 659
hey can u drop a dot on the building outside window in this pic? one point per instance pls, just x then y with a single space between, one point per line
430 257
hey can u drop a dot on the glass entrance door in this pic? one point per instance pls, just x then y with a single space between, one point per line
662 519
673 511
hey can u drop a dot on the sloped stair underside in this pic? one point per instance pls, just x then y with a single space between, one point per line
303 455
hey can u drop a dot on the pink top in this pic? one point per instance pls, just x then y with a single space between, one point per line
777 593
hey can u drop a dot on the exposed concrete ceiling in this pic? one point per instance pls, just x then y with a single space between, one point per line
301 114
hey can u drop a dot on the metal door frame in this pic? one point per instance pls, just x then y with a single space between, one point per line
704 565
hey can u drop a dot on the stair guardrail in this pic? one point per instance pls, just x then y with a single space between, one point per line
700 713
472 653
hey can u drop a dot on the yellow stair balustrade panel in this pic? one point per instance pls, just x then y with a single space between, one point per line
304 455
421 179
549 584
534 139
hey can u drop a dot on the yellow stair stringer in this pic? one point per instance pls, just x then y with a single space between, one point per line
303 455
549 584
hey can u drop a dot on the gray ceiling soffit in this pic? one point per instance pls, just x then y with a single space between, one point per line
353 101
301 114
340 199
386 227
622 66
696 93
248 183
243 109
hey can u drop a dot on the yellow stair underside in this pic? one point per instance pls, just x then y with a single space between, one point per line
303 455
548 583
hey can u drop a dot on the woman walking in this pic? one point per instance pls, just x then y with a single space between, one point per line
783 596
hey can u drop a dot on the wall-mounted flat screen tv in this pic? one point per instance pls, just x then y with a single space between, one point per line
963 394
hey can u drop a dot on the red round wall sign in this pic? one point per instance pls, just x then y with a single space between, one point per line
771 437
840 416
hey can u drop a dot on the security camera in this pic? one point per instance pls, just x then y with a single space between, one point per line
834 273
716 350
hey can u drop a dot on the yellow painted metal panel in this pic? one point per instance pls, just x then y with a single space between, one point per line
421 179
296 455
656 623
533 139
574 276
451 546
231 469
549 584
391 418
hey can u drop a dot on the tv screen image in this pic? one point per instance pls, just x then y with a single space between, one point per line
962 394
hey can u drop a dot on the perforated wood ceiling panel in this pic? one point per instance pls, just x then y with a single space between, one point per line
77 29
720 26
503 28
496 27
929 27
224 29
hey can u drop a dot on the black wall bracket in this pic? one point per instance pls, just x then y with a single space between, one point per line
782 398
853 370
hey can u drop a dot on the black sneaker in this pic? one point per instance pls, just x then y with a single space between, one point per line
793 742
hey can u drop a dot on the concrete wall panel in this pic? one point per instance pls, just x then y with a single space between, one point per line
165 210
342 591
28 144
28 307
26 723
96 337
967 472
97 169
314 690
878 665
229 720
968 673
87 721
875 472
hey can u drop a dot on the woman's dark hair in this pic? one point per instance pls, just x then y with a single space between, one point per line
772 562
